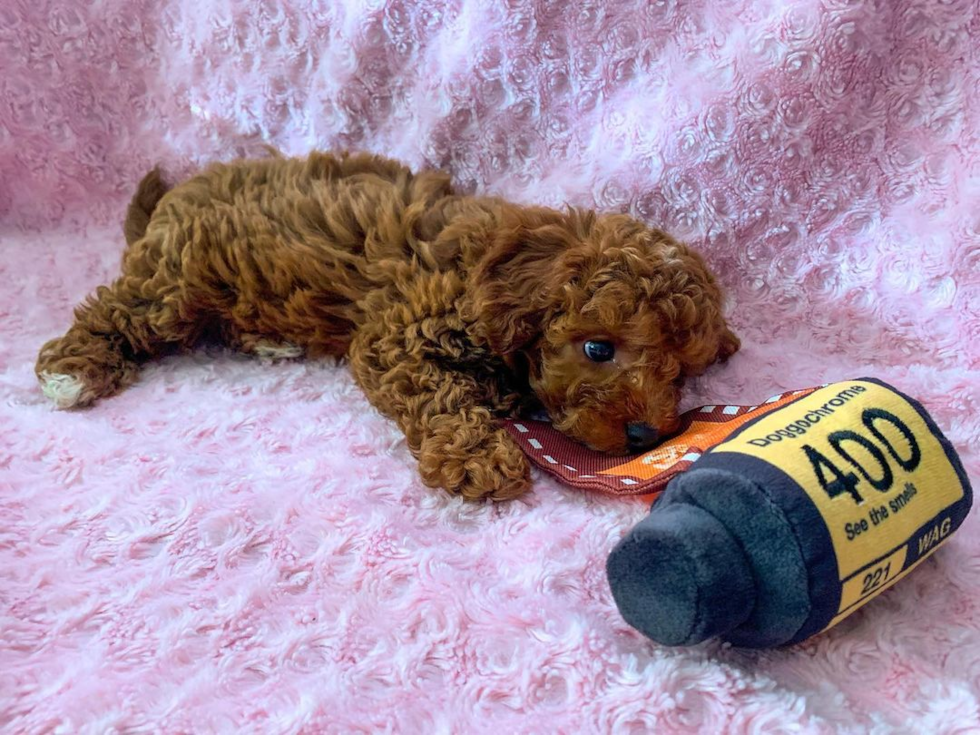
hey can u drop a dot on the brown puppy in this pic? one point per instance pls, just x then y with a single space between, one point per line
453 311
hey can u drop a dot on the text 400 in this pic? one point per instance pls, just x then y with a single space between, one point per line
837 482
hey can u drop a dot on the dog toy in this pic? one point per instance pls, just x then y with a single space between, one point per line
644 475
780 521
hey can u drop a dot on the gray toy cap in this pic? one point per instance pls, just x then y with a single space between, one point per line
679 577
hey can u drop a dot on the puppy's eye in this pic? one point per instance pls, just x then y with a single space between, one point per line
599 350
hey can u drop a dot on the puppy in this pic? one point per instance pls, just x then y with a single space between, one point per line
452 311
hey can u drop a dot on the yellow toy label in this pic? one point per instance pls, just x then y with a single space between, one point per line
875 480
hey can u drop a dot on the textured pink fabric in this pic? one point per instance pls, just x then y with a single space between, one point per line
239 546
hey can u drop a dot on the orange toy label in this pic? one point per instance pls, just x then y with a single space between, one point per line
645 474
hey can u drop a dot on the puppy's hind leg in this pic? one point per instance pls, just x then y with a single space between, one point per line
114 331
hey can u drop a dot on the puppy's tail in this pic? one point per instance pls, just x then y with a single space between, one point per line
148 194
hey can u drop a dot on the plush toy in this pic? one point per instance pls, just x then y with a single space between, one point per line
777 520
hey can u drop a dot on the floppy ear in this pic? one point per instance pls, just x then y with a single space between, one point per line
514 285
729 344
716 345
694 309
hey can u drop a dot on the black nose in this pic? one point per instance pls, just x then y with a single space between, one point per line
641 436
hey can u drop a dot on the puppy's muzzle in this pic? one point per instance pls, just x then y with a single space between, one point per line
641 436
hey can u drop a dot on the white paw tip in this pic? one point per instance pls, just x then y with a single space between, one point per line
283 351
63 390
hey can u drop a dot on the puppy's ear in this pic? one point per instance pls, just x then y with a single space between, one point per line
699 348
728 345
693 309
513 287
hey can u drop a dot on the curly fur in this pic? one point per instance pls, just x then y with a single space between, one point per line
453 311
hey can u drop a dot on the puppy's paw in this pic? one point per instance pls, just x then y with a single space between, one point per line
64 391
262 347
78 369
273 351
474 461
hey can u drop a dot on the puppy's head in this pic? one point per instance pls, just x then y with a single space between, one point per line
608 317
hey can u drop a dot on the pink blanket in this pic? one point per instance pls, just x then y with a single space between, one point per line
239 546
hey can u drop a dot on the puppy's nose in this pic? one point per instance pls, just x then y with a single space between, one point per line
641 436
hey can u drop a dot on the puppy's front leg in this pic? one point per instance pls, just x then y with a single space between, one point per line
461 449
409 361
